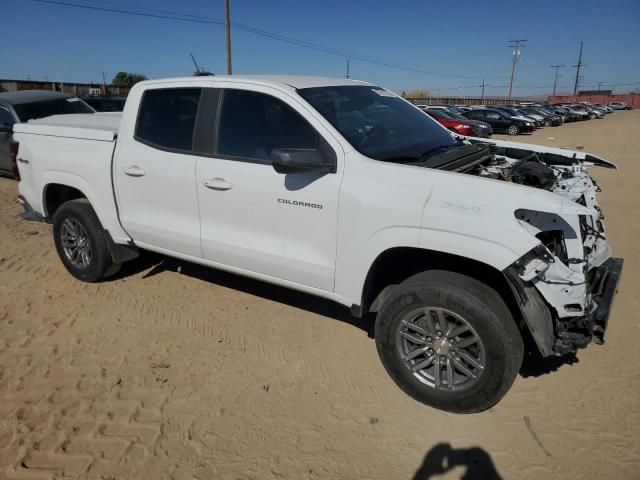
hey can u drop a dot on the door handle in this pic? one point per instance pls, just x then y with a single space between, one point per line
218 183
134 171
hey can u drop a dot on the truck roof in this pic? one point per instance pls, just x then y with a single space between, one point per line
292 81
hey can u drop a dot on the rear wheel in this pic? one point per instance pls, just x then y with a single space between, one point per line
513 130
449 341
547 122
80 242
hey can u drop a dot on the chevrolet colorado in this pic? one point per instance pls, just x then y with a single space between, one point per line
460 246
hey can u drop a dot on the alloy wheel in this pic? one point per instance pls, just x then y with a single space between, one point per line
75 243
441 349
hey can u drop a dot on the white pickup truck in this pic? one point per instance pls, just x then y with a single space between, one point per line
462 247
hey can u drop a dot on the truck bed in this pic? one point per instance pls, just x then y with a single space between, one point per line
98 126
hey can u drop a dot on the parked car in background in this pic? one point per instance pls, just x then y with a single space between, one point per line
460 124
565 113
522 110
606 108
106 104
592 112
500 121
548 119
17 107
582 114
620 106
515 114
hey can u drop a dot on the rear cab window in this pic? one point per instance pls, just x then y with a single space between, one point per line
167 118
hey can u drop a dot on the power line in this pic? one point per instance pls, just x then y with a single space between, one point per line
247 28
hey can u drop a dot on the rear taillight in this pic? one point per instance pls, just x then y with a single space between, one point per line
13 152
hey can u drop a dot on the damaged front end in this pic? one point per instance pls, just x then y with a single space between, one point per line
565 286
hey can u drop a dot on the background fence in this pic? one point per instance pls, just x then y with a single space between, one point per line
429 100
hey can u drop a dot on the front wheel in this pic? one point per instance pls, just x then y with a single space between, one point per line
80 242
513 130
449 341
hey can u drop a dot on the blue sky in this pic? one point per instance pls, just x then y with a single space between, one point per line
465 38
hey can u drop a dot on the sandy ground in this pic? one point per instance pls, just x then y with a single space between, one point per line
175 371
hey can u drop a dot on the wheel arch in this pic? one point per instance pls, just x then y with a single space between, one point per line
397 264
55 194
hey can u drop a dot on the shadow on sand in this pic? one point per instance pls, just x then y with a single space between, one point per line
443 458
159 263
533 365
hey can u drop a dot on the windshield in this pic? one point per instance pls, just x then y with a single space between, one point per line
377 123
46 108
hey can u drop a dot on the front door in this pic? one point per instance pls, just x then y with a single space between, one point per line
254 219
155 173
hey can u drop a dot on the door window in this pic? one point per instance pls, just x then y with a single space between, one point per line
167 118
253 124
493 116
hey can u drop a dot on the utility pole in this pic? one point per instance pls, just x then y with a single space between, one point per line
228 36
483 91
578 67
516 45
347 68
555 80
600 85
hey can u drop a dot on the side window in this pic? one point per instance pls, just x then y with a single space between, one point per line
253 124
475 114
493 116
167 117
5 117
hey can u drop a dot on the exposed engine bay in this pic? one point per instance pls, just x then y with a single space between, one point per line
572 269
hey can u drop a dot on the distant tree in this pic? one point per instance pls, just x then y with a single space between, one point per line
127 79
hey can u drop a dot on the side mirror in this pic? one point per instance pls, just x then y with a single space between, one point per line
300 160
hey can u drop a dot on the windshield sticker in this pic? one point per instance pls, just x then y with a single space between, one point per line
73 99
383 93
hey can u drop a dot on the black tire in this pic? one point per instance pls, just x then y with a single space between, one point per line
99 263
513 130
482 308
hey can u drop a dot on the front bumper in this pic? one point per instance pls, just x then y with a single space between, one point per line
560 336
604 289
579 332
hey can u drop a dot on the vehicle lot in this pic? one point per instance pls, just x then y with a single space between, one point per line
176 370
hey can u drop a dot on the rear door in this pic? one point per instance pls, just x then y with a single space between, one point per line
154 171
253 218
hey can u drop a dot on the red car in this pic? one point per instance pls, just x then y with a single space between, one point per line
460 124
